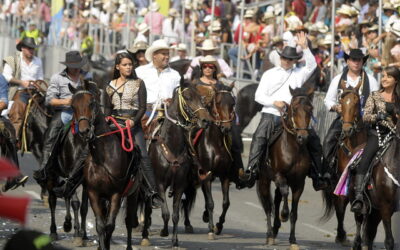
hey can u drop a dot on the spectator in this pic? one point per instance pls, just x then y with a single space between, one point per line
137 52
318 13
154 20
299 8
172 27
143 33
87 44
181 50
227 10
389 15
34 32
45 16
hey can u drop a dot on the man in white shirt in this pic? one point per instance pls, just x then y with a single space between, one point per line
159 78
19 71
274 94
351 76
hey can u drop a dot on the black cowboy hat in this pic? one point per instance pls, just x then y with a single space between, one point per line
74 60
356 54
27 42
290 53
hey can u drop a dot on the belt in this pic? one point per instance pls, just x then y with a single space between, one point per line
126 113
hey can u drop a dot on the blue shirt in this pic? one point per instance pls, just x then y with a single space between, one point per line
3 89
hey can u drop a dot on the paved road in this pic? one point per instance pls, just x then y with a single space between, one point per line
245 226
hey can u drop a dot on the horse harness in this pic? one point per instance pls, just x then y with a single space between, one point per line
292 127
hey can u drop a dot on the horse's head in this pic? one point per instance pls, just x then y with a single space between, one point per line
300 113
351 109
85 104
191 106
223 109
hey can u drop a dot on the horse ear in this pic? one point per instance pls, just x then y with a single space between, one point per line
72 89
291 91
310 91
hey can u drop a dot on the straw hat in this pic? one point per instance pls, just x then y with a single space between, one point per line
215 26
140 45
143 12
85 13
388 6
276 39
277 9
328 40
395 28
157 45
154 7
268 15
345 10
395 3
207 45
173 12
374 27
143 28
293 22
210 60
181 47
320 27
249 14
206 19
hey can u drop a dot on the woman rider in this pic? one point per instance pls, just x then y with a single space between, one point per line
209 82
380 115
137 52
128 98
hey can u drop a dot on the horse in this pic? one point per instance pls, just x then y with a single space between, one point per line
289 165
108 167
170 151
37 117
352 137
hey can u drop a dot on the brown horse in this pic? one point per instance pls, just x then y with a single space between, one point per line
213 149
352 137
288 166
108 168
169 153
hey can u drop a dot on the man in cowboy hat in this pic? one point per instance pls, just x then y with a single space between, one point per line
59 97
274 94
143 33
208 48
351 76
181 51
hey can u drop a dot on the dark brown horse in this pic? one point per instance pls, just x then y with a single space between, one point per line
213 150
169 153
288 165
38 116
108 168
352 137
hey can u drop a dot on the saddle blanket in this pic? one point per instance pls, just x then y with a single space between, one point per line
342 188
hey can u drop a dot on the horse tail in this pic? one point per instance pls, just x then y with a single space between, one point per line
329 204
189 198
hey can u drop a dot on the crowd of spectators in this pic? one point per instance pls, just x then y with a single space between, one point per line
356 26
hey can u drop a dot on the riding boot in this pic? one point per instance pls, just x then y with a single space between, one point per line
358 203
317 174
148 175
331 141
236 150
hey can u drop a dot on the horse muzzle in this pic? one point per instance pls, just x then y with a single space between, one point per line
302 139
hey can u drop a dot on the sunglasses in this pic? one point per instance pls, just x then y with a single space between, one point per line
210 66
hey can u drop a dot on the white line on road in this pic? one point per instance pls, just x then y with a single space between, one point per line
33 194
318 229
253 205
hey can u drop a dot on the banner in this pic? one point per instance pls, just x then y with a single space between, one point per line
57 11
164 6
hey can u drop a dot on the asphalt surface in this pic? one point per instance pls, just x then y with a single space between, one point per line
245 226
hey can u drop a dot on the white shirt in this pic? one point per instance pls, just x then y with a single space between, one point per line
29 72
331 95
172 35
275 58
274 83
159 86
141 38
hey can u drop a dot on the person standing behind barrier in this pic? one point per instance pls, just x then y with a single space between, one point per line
19 70
351 76
172 27
87 45
45 15
155 20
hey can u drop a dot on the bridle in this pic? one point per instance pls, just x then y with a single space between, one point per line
292 127
355 122
95 111
218 121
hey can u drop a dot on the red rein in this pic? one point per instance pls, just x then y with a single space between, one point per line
119 130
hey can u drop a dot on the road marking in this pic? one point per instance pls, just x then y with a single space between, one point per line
318 229
33 194
253 205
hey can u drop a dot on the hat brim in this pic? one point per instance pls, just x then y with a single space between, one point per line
76 65
207 49
150 51
300 55
347 57
136 50
215 63
21 44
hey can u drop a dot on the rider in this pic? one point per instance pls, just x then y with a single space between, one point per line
19 70
273 93
59 96
209 71
159 78
351 76
137 52
380 115
128 96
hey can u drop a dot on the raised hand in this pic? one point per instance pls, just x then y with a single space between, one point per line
302 40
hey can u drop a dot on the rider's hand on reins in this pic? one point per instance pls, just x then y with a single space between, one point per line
337 108
130 123
280 104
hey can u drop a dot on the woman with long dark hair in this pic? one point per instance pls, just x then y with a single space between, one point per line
380 115
128 96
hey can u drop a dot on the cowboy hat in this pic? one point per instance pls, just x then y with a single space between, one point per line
27 42
173 12
395 28
207 45
157 45
374 27
74 60
140 45
143 28
215 26
321 27
290 53
181 47
268 15
293 22
355 54
206 19
276 39
345 10
249 14
388 6
210 60
154 7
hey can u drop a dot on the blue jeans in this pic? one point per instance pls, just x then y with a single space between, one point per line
233 55
3 89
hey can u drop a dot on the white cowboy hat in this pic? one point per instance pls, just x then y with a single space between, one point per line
85 13
293 22
327 40
123 8
395 28
206 19
181 47
388 6
268 15
345 10
173 12
277 9
211 60
143 12
215 26
142 28
249 14
154 7
157 45
207 44
395 3
321 27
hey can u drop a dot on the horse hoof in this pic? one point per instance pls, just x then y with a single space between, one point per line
211 236
205 216
284 218
364 248
344 242
218 228
270 241
294 247
189 229
145 243
164 233
67 226
54 236
78 242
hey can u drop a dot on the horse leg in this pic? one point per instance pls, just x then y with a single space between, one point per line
164 213
129 220
340 207
277 220
206 187
281 183
175 216
225 205
370 229
357 239
206 216
75 206
386 213
146 224
84 212
264 193
296 193
68 218
115 204
186 214
53 204
97 207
